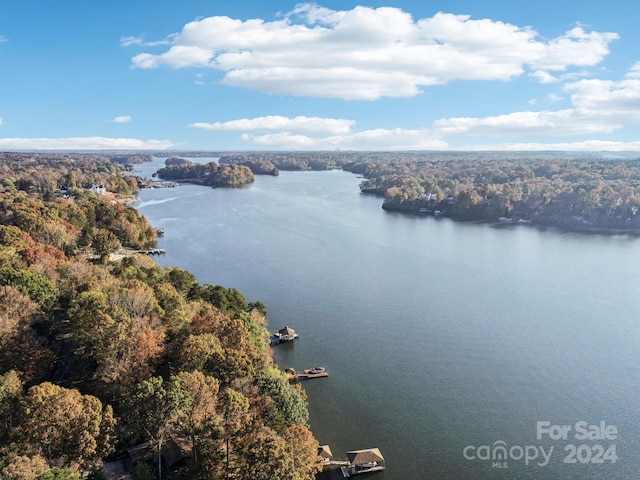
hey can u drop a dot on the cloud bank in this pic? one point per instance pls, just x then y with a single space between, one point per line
83 143
367 53
598 106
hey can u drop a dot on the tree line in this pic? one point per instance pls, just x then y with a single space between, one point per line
586 192
102 358
211 174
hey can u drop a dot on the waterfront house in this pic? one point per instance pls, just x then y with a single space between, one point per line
98 189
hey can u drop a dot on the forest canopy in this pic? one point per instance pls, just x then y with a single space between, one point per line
105 359
587 192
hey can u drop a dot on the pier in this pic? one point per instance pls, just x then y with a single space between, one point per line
153 251
307 374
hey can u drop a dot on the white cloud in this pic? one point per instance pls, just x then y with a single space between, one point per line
634 72
122 119
83 143
543 77
379 139
609 101
128 41
316 133
265 133
598 106
300 124
368 53
131 40
199 79
554 123
0 120
178 56
577 47
3 39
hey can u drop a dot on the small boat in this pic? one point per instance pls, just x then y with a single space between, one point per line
309 373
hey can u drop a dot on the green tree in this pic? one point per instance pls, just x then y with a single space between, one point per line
202 352
58 474
266 457
105 243
201 420
10 396
289 405
94 329
35 286
235 408
156 410
182 280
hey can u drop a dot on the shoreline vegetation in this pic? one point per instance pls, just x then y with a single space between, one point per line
581 192
583 195
124 368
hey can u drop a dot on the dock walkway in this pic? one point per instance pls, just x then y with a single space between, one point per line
154 251
304 375
351 470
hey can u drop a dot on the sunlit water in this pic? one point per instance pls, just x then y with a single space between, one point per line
440 337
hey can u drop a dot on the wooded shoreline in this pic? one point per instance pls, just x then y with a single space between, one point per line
587 193
126 363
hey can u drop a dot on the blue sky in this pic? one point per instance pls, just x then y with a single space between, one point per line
255 75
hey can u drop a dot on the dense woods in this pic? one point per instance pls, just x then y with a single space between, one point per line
585 192
211 174
122 362
576 194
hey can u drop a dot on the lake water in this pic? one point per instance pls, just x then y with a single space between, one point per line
444 341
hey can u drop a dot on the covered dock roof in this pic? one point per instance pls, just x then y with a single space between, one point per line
368 455
287 331
325 452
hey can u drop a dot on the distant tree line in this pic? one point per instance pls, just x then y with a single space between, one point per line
210 174
302 161
584 192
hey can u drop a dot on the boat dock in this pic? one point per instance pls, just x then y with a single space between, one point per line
359 461
307 374
363 461
351 470
154 251
286 334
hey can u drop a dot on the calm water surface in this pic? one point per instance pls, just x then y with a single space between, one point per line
440 337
